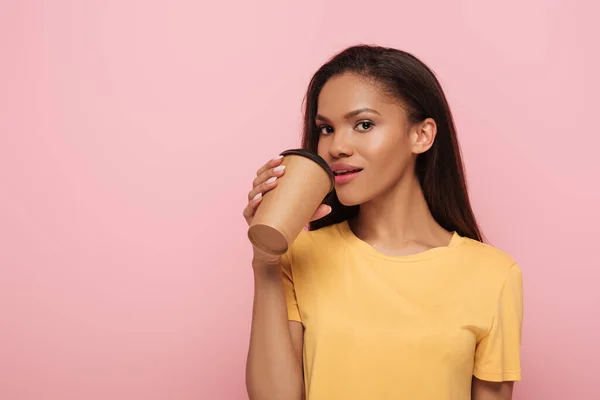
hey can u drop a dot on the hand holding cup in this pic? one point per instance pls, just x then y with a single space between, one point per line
279 207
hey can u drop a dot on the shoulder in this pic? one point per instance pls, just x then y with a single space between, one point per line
328 233
488 262
493 277
311 243
486 254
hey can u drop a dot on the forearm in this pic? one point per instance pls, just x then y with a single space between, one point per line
273 369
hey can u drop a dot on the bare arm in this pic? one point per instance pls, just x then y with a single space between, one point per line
274 365
484 390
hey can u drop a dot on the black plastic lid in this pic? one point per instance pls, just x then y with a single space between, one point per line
316 158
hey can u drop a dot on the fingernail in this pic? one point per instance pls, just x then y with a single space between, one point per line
277 158
258 196
272 179
279 169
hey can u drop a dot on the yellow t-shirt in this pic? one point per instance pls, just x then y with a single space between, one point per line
410 327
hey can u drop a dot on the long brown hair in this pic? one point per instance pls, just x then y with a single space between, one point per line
440 170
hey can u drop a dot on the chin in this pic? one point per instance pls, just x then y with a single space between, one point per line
349 199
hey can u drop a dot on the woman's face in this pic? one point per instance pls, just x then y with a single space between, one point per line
365 131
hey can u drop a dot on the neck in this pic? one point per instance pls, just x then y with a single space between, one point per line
398 217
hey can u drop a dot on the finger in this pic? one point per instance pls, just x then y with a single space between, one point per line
251 207
264 176
270 164
262 188
321 212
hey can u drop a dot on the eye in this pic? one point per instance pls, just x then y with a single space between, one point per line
364 126
325 130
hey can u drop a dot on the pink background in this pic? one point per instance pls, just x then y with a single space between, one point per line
130 131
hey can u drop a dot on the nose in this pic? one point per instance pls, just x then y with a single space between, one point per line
339 147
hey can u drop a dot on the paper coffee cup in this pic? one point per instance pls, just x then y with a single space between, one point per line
285 210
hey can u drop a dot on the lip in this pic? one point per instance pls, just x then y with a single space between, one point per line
347 177
343 167
342 179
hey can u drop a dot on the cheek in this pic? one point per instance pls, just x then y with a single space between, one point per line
389 154
387 147
323 148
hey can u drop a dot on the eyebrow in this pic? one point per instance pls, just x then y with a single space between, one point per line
351 113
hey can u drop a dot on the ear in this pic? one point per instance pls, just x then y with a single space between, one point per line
424 136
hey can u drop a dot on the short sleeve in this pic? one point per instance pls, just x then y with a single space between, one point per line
498 354
288 287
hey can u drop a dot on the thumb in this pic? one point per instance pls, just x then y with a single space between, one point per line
322 211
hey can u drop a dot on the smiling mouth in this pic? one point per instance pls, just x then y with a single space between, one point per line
346 172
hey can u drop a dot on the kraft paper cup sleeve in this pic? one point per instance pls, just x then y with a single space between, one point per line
316 158
285 210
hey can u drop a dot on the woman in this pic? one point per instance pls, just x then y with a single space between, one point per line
391 294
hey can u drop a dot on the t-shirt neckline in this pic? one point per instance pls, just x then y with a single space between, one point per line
357 243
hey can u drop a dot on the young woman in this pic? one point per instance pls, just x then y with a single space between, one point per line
391 294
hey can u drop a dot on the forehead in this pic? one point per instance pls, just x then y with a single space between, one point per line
348 92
